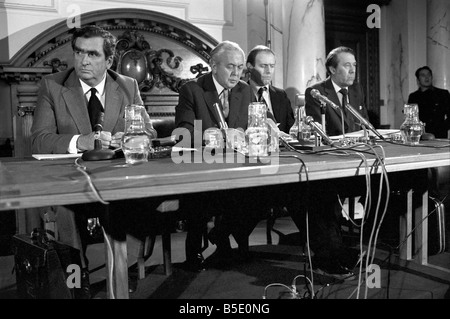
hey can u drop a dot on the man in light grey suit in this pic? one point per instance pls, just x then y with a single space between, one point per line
61 119
63 122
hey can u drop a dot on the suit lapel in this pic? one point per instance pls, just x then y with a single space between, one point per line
276 102
211 96
113 103
76 103
235 105
331 94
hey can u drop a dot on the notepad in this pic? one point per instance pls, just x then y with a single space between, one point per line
384 132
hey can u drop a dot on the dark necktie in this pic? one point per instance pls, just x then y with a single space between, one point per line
349 119
261 99
344 93
224 98
260 94
95 108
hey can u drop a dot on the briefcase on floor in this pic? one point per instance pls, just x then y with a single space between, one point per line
41 265
436 226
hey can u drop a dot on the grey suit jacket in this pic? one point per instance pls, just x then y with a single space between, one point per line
61 110
332 116
196 101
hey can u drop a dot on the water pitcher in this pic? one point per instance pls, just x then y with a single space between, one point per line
135 142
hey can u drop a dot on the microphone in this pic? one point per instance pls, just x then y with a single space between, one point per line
223 124
98 127
98 153
316 94
316 128
362 120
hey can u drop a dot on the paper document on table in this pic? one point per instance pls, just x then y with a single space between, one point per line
384 132
186 149
55 156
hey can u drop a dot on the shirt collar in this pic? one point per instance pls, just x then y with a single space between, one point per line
99 87
219 87
337 88
255 87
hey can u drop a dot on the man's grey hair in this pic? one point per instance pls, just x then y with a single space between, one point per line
222 47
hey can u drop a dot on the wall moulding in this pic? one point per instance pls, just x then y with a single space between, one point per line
31 5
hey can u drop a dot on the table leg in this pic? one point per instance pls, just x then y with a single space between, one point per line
406 222
421 231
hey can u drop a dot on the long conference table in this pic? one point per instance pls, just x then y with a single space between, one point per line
30 183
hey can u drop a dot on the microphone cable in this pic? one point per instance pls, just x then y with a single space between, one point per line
83 169
303 166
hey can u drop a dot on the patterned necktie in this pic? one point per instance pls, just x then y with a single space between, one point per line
224 97
95 108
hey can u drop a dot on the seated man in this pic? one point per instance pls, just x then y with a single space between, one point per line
330 253
223 86
261 67
70 104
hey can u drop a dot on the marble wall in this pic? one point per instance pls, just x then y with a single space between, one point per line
438 41
303 44
413 33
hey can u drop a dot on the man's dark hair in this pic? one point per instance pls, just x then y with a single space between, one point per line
254 52
423 68
91 31
332 57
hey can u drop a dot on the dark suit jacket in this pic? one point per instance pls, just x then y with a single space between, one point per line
281 105
434 110
61 110
196 101
332 116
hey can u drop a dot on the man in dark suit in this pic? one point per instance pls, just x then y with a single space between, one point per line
434 104
67 111
341 67
223 86
331 255
261 66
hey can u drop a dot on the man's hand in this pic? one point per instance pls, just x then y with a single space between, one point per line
87 142
116 140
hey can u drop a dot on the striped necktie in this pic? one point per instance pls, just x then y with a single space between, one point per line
224 98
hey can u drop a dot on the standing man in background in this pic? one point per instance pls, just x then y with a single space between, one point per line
434 104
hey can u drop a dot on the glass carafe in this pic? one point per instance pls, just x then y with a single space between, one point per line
304 130
412 128
257 131
293 131
136 141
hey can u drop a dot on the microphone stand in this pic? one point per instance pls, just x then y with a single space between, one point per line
363 121
98 153
342 123
322 113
